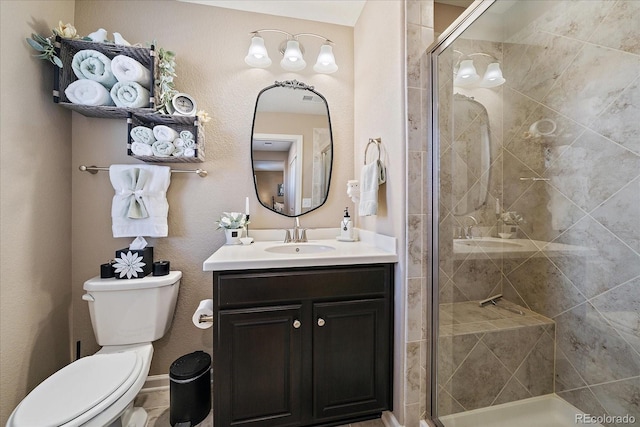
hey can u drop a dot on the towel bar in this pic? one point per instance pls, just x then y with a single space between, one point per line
94 169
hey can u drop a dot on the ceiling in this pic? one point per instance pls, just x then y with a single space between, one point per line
341 12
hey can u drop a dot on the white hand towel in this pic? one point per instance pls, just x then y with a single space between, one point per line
127 69
143 134
150 192
130 95
141 149
186 135
371 176
93 65
164 133
162 148
88 92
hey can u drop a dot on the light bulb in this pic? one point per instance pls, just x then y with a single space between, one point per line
326 62
467 74
293 60
493 76
257 55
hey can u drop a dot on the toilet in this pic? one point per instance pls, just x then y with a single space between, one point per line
98 390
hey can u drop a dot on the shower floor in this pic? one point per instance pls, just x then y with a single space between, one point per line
548 411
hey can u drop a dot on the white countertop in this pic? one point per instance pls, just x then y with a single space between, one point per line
371 248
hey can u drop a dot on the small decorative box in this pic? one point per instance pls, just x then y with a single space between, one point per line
133 263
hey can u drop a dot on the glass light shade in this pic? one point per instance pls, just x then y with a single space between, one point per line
326 62
467 74
257 55
493 76
293 60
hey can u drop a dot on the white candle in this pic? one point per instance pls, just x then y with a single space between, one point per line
497 206
246 206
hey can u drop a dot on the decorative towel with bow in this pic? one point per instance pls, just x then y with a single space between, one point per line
139 206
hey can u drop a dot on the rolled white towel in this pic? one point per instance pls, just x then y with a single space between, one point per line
88 92
186 135
189 152
162 148
178 152
164 133
127 69
143 134
93 65
141 149
130 94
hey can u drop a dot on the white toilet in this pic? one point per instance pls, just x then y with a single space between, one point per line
98 390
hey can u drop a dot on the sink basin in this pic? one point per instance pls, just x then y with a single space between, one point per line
487 243
299 248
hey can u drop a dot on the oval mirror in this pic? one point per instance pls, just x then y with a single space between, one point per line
291 148
472 160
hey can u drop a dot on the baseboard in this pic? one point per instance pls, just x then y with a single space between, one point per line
156 382
389 420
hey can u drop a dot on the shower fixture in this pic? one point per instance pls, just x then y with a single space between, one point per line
292 53
465 74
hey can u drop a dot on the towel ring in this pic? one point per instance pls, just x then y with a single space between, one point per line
375 141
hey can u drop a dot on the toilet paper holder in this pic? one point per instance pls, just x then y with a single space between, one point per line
204 318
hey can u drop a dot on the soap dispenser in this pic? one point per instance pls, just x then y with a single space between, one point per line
346 226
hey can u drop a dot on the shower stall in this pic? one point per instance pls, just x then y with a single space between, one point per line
535 237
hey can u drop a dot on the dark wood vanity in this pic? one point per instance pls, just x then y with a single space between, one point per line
309 346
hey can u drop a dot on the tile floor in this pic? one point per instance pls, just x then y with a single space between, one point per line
156 402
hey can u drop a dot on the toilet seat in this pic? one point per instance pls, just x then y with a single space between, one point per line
79 391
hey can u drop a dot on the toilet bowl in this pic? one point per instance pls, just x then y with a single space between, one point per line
98 390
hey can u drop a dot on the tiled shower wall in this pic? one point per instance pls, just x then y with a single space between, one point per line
419 35
578 64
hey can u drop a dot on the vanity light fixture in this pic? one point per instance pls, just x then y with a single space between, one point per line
292 53
465 74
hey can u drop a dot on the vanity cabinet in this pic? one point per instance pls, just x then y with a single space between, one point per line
302 346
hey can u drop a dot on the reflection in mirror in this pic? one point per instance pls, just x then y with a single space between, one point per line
471 162
291 148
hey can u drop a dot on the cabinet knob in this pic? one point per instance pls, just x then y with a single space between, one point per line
321 322
297 324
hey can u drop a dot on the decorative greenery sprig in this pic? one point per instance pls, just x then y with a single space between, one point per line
166 86
45 47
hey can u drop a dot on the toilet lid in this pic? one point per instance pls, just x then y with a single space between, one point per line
77 388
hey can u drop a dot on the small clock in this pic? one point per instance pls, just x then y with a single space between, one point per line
183 105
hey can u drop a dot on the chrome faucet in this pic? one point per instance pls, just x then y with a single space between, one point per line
297 234
468 231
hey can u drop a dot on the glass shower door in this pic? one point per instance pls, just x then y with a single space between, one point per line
536 214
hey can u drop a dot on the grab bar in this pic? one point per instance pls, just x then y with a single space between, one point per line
94 170
533 179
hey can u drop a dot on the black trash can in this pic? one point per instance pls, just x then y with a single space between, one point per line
190 389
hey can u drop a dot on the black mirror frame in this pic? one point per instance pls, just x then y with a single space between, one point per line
294 84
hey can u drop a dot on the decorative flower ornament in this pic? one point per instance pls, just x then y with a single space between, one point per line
203 116
130 264
66 31
232 220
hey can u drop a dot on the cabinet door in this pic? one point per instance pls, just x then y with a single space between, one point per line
351 358
258 376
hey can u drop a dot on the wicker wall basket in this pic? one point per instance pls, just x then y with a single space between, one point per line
177 123
63 77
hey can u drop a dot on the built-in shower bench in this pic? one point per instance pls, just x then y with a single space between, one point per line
468 317
492 354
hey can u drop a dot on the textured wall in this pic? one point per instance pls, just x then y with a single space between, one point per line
35 218
210 44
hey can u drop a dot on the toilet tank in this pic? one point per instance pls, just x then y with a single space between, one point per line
131 311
